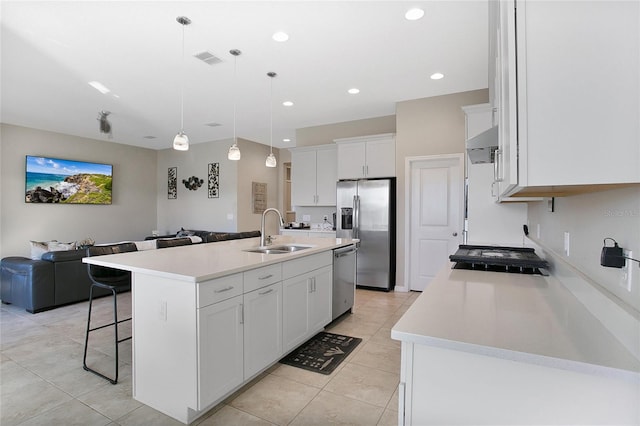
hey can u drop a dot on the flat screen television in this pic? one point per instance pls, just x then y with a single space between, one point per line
58 181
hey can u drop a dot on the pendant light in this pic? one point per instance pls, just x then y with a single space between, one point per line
271 159
181 141
234 151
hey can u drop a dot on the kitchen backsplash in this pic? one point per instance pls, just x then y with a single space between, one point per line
315 214
588 219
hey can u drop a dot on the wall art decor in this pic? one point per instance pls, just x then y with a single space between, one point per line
213 178
259 197
57 181
193 183
172 183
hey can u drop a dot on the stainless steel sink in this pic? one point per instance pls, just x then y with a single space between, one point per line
279 249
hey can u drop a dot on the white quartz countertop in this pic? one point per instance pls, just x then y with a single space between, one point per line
527 318
201 262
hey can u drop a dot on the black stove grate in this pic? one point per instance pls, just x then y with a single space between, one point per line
500 259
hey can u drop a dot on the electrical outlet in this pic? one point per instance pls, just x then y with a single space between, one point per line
306 218
325 217
626 271
567 243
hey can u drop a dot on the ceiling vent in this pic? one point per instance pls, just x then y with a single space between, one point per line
212 124
149 137
208 58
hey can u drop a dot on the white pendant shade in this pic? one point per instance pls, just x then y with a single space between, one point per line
181 142
234 153
271 161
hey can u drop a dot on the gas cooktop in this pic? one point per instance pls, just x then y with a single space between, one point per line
521 260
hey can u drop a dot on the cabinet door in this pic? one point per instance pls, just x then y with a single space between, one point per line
351 160
295 295
326 176
381 158
506 166
303 178
220 350
262 328
320 303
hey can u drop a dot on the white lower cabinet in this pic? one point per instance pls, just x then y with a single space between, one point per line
262 328
306 301
220 350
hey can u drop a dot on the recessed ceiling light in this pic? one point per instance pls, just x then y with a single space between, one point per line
99 87
414 14
280 36
353 91
437 76
287 103
286 140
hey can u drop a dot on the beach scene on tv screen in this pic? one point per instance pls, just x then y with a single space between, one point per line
53 180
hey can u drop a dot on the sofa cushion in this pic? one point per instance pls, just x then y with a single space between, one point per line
38 248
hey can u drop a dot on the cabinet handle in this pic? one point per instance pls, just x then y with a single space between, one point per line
496 166
367 169
493 193
401 403
363 171
264 277
314 284
310 282
266 292
241 313
222 290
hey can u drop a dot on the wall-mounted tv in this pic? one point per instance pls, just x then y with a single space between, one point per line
53 180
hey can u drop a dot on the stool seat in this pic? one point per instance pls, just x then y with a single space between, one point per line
113 280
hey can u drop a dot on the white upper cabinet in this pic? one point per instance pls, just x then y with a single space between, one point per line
570 121
367 157
313 176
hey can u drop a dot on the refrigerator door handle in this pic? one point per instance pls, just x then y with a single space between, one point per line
356 216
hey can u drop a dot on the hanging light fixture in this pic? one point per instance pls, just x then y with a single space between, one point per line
271 159
181 141
234 151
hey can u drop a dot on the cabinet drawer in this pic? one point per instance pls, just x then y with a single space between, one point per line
220 289
257 278
305 264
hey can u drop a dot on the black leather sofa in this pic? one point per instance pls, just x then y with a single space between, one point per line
60 277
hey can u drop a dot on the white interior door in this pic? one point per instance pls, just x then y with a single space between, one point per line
436 203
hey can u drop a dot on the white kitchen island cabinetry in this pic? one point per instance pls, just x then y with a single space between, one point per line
306 298
567 123
367 157
313 176
262 328
208 318
495 348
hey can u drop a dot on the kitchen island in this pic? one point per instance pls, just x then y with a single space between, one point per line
494 348
208 318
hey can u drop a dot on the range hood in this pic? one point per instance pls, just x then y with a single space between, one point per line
482 148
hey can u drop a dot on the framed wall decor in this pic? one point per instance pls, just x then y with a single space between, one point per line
172 183
213 179
58 181
259 197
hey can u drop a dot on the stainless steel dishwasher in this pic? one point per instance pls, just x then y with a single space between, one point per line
344 279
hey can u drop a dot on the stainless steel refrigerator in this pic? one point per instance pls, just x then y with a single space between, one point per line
366 210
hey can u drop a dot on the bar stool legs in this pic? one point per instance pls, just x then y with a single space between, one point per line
114 324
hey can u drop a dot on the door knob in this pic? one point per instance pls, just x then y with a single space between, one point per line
455 234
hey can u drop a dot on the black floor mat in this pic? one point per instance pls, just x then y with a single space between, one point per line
322 353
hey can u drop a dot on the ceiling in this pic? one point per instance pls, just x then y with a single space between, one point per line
52 49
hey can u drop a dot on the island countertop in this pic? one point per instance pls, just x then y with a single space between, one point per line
528 318
201 262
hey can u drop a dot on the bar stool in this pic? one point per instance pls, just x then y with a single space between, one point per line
116 281
173 242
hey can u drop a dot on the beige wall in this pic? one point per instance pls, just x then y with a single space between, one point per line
194 209
131 216
428 126
251 168
320 135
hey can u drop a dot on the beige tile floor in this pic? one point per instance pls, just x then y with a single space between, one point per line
42 381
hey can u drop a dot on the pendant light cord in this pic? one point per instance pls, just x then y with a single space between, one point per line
235 94
182 90
271 117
